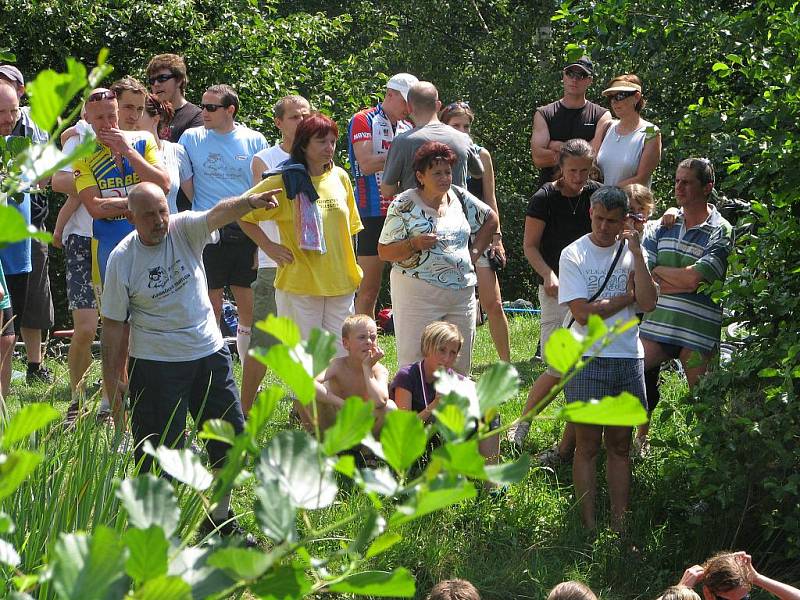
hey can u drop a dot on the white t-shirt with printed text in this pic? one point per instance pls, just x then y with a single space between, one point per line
271 157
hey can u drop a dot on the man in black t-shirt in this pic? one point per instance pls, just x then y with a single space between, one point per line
571 117
166 74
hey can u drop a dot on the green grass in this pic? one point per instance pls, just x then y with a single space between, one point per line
516 546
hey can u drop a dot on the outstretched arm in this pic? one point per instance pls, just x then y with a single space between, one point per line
230 209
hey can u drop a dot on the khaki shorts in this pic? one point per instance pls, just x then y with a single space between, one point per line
552 318
263 305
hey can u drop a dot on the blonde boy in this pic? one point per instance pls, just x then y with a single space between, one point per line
360 373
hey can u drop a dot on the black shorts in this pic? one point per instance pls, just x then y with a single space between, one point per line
230 264
367 238
18 290
38 312
162 393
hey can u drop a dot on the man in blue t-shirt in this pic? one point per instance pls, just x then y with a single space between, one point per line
221 152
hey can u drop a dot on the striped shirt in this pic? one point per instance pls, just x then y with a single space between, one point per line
689 320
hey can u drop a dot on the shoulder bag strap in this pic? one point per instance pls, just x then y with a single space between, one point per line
599 291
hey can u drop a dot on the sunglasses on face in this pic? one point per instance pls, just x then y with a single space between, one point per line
576 74
98 96
620 96
638 217
212 107
161 78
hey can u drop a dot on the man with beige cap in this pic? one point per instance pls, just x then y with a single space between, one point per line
369 136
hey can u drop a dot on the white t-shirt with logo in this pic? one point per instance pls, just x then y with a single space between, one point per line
581 271
164 290
271 157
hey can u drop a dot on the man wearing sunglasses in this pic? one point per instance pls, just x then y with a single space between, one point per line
369 137
166 74
221 152
573 116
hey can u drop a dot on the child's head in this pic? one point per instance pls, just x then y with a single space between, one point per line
441 343
571 590
640 199
288 113
454 589
679 592
359 333
724 573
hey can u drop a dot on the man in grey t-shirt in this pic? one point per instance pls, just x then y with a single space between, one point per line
398 172
179 362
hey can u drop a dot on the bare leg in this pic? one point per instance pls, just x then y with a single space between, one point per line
654 356
33 344
367 294
492 303
695 364
252 374
618 472
244 303
79 358
584 470
6 353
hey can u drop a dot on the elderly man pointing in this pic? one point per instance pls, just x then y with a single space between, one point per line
178 360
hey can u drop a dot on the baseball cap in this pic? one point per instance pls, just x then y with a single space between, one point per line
11 72
402 82
585 63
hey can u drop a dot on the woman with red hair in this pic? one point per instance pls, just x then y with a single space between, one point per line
426 237
316 218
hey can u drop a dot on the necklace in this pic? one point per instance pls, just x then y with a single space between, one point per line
622 135
576 205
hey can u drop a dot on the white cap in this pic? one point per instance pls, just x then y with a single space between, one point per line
402 82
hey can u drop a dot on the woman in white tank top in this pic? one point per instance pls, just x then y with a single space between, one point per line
631 147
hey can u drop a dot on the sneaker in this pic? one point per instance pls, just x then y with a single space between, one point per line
229 528
104 417
551 458
518 433
40 375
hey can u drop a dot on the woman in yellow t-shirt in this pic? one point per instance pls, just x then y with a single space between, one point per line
316 218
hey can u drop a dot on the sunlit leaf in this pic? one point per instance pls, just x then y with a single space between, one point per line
30 418
497 385
396 584
382 543
50 93
89 567
262 410
321 346
275 512
164 587
283 583
463 458
147 553
8 555
624 410
509 472
218 430
403 439
380 480
453 383
191 565
13 227
440 493
149 501
353 421
185 466
282 328
292 459
290 367
241 563
562 350
15 468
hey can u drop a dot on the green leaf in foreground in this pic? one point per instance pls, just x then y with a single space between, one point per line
150 501
562 350
147 553
497 385
15 468
89 567
509 472
281 328
262 410
219 430
30 418
624 410
464 458
353 421
403 439
321 346
164 588
441 493
284 583
241 563
382 543
51 92
289 365
291 459
275 512
397 584
185 466
13 227
8 555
